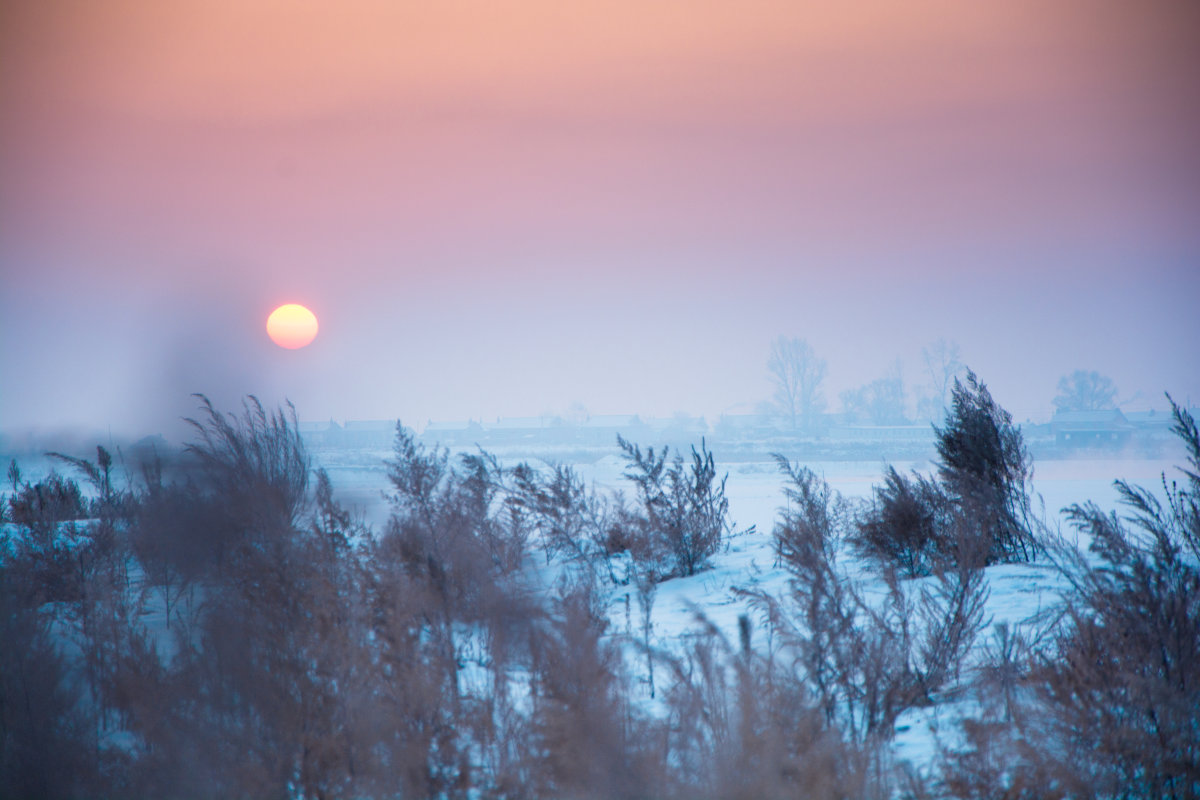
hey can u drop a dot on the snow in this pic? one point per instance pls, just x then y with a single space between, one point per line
1020 594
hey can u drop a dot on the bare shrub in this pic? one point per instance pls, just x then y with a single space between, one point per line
255 470
42 505
175 535
922 525
1000 762
743 727
458 527
256 452
455 548
46 745
583 747
1124 689
1006 660
984 469
682 513
812 519
951 612
1108 707
99 474
863 659
255 697
569 517
907 524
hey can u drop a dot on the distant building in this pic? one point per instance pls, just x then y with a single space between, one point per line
1155 424
369 433
320 434
453 434
526 430
1107 429
882 433
679 430
603 429
736 427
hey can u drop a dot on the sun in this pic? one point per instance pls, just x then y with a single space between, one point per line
292 326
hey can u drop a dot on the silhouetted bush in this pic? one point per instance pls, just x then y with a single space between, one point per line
256 467
976 511
459 527
984 470
570 518
908 524
746 725
1124 683
45 747
813 518
42 505
582 745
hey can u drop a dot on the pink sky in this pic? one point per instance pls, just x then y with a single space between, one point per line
504 208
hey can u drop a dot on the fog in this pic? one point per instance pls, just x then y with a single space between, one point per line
128 360
592 209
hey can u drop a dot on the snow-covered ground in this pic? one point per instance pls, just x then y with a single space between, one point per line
1019 593
754 488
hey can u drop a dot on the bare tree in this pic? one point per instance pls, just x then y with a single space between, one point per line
943 363
880 402
797 374
1085 390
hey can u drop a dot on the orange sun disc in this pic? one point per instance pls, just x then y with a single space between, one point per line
292 326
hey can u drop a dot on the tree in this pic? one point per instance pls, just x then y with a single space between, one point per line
1085 390
943 363
880 402
797 374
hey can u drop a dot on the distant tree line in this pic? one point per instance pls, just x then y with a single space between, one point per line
798 375
213 623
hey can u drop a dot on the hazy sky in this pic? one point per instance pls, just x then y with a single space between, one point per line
504 208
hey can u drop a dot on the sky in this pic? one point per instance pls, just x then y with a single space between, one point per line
505 209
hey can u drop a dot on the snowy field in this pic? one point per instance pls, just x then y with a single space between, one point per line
1019 593
754 488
